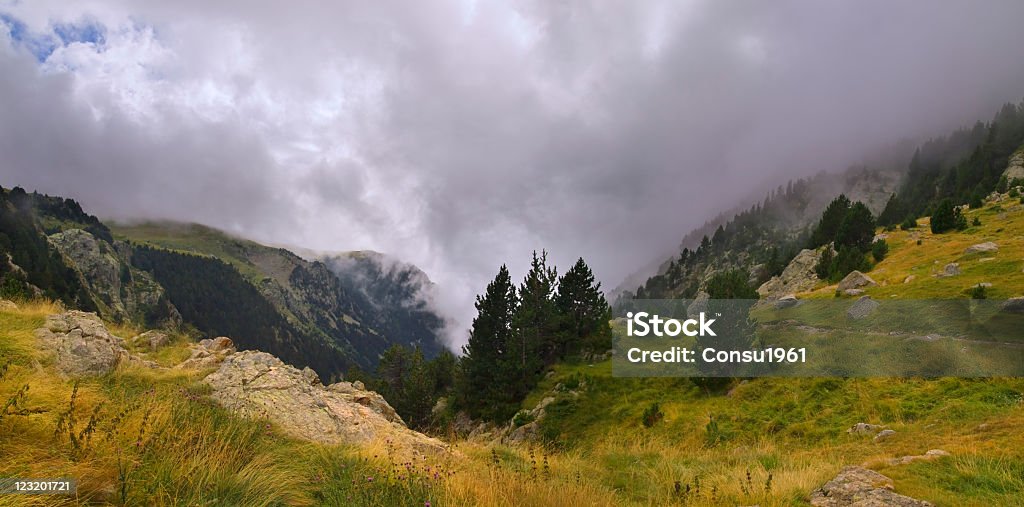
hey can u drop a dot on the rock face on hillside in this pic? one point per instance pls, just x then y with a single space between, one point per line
985 247
858 486
798 276
257 384
1015 168
120 291
81 344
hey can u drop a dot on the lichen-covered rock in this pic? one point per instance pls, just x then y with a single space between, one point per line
860 487
932 454
81 344
1013 305
799 276
257 384
864 429
855 280
884 435
951 269
787 301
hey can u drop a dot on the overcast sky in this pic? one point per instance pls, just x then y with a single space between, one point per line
462 135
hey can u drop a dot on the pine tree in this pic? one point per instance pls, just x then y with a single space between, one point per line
857 228
584 311
482 387
536 341
831 219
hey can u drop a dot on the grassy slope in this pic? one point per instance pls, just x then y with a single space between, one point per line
794 429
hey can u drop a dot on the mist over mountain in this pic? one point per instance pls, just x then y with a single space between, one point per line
464 134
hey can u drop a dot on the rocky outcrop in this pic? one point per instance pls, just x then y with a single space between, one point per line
855 280
787 301
799 276
986 247
257 384
951 269
1015 167
932 454
120 291
1013 305
81 344
858 486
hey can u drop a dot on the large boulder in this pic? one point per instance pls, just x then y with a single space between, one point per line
985 247
257 384
858 486
799 276
1013 305
81 344
855 280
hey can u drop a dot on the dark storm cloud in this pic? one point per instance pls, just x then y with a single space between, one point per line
461 135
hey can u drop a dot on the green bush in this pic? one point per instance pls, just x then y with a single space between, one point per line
879 249
979 292
947 217
522 418
909 223
652 415
976 222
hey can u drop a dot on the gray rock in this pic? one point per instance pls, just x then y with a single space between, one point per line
799 276
884 435
985 247
208 353
1015 166
257 384
699 304
855 280
787 301
951 269
864 307
864 429
909 278
1013 305
81 344
853 292
932 454
860 487
151 340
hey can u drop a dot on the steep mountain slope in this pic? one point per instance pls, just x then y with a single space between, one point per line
762 238
171 274
361 306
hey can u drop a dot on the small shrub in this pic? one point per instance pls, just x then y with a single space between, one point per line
909 223
1014 192
712 434
918 242
976 222
879 249
522 418
979 292
652 415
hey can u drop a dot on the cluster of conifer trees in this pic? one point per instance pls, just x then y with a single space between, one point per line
518 332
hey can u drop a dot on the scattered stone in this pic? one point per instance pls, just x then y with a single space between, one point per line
858 486
984 285
909 278
879 237
985 247
81 343
865 429
853 292
151 339
951 269
7 306
856 280
257 384
787 301
862 308
928 456
884 435
1013 305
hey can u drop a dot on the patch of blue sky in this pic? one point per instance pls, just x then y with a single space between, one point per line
42 44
